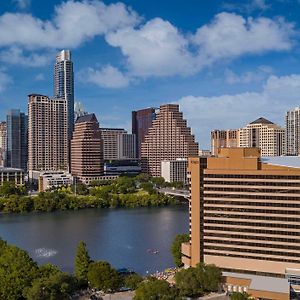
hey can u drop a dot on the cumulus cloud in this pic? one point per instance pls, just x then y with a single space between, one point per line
230 35
278 95
15 55
73 23
247 6
107 77
152 48
157 48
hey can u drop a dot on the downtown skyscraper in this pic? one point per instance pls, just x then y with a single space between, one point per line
64 85
16 154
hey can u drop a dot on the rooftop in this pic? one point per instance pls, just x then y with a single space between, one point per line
87 118
3 169
261 120
264 283
286 161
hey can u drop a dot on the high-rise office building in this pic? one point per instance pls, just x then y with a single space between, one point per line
79 110
16 154
244 218
3 137
141 122
64 84
169 138
292 131
110 142
224 139
86 149
265 135
126 144
174 170
48 146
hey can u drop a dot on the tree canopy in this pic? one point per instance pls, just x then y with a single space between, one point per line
176 248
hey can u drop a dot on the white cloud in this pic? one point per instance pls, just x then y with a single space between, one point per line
278 95
157 48
107 77
74 22
15 55
230 35
22 4
260 74
5 80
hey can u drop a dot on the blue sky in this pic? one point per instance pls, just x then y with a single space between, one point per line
225 62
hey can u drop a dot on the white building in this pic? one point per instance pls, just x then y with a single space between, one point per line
292 131
12 175
174 170
265 135
50 179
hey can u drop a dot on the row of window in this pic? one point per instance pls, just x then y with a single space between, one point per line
256 237
247 217
262 176
251 257
240 203
240 223
252 230
249 196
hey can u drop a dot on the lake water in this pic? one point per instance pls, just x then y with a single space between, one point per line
122 237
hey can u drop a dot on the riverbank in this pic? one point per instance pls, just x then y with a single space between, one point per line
124 192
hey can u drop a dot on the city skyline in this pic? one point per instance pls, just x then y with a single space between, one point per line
253 74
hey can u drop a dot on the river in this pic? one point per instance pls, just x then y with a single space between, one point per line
122 237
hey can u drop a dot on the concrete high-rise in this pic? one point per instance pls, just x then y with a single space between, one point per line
48 146
16 154
265 135
64 85
244 218
86 149
141 122
110 142
292 131
224 139
126 144
3 137
169 138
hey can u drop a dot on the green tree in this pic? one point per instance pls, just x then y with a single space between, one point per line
132 281
58 286
240 296
17 271
158 181
103 277
82 261
210 278
155 289
188 282
176 248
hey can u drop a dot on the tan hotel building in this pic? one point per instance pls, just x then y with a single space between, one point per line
245 218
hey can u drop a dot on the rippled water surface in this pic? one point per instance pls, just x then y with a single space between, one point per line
124 237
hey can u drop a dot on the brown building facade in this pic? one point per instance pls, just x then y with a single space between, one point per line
245 218
141 122
224 139
87 149
169 138
48 147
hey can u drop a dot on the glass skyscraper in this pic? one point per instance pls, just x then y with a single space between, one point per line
64 84
16 147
